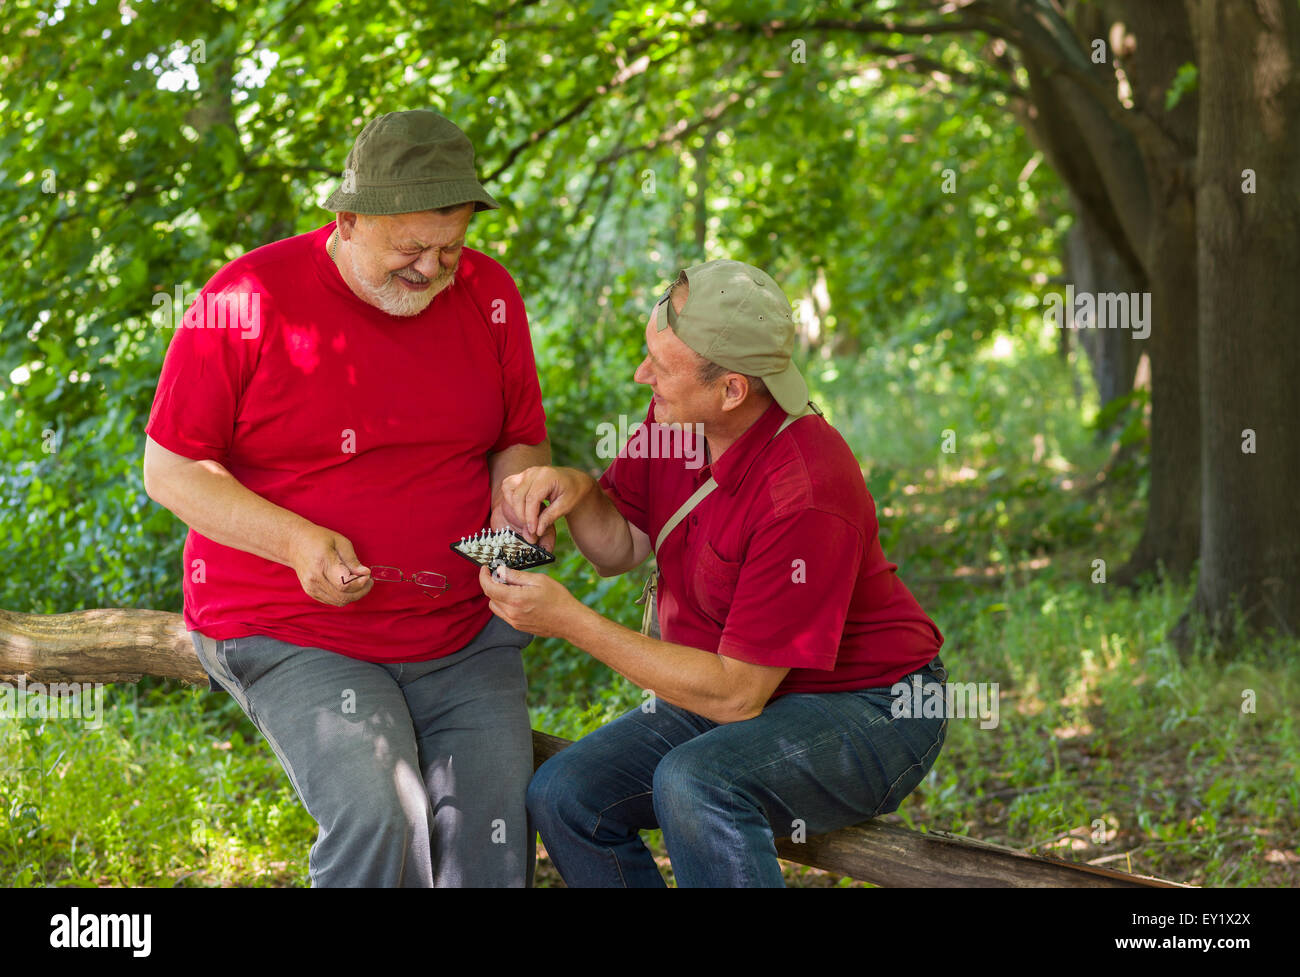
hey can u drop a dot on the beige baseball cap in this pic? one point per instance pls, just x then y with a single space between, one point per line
736 316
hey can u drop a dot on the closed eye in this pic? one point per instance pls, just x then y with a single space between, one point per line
410 252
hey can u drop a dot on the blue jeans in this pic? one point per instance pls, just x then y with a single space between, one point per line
808 763
415 772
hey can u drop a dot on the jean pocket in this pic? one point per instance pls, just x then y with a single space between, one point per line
205 655
241 660
923 741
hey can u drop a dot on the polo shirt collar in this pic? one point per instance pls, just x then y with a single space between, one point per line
730 470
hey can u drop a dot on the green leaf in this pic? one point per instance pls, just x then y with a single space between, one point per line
1184 82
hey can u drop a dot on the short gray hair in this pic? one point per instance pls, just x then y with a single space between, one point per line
709 372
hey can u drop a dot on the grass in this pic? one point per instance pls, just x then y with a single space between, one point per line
1109 748
169 790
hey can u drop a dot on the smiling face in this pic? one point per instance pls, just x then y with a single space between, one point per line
672 370
399 262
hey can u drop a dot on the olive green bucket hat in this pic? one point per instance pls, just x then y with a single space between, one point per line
736 316
405 162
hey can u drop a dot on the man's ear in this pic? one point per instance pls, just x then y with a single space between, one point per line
347 224
736 391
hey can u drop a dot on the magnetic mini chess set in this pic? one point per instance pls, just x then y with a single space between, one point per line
502 547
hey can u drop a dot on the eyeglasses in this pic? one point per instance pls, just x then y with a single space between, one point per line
433 583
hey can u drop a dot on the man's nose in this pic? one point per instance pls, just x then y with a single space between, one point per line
428 263
643 374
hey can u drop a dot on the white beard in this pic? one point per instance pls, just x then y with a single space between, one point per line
391 297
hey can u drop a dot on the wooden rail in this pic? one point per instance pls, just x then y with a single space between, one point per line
122 645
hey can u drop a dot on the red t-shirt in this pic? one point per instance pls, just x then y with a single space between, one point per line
781 564
375 426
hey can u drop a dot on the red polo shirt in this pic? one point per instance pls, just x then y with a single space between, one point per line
375 426
781 564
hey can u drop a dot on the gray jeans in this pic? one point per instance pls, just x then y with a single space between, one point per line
414 772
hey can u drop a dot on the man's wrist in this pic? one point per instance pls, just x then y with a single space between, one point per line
579 627
297 534
585 486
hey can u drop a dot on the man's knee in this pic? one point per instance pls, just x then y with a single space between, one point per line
555 791
690 781
385 801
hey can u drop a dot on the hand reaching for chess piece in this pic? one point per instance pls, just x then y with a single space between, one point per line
504 516
534 499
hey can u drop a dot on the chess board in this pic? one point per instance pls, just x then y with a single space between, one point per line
502 547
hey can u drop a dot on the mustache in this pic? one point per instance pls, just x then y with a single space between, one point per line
415 278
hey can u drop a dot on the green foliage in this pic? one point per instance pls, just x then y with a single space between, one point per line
173 788
560 677
1101 720
192 137
143 146
1184 81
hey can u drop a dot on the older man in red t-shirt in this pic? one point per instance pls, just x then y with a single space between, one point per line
784 628
333 412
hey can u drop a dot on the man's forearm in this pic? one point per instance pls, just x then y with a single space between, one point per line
208 499
512 461
601 532
685 677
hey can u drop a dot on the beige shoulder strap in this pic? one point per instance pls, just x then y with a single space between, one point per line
649 615
698 496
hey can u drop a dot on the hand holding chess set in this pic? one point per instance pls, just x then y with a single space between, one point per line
502 548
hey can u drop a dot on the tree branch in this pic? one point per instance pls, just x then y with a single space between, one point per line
621 78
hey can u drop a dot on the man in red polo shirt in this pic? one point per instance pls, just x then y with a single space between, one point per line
335 410
783 626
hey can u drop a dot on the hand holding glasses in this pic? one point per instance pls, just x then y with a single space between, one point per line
489 547
432 584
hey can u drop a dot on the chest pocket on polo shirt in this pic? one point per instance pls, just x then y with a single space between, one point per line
714 583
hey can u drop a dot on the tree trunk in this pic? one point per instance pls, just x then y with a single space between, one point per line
1136 195
1249 267
1094 265
1170 536
1161 41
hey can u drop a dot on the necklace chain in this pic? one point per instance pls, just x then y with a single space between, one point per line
334 243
